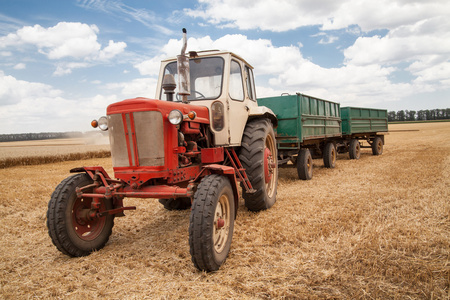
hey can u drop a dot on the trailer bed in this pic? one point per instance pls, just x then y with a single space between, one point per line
303 118
358 120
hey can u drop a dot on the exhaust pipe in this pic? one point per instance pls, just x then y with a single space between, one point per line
184 84
183 49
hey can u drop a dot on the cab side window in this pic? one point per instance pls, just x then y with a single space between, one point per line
250 83
236 87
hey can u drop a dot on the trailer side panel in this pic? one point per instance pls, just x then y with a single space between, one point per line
302 118
363 120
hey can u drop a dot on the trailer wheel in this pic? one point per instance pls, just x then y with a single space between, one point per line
377 146
258 156
211 223
304 164
329 155
71 230
354 150
176 204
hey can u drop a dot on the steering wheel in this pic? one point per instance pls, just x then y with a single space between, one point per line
201 96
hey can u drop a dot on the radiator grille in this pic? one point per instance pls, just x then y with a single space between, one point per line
146 149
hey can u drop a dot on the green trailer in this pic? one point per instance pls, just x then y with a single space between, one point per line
363 124
357 120
303 118
309 127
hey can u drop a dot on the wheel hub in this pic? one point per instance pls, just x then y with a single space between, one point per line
221 223
86 224
269 165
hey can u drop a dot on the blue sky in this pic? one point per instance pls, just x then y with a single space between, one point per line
63 62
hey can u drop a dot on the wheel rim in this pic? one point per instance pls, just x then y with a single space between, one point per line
309 165
333 156
379 146
222 220
268 161
86 228
358 149
270 167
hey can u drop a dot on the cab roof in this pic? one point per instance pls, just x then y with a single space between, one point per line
208 53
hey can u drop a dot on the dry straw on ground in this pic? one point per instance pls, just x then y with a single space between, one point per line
376 228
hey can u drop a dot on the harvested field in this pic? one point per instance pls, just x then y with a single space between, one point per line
376 228
51 151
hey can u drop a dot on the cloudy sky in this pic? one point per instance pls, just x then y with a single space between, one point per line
63 62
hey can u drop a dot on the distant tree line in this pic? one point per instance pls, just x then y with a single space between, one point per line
421 115
39 136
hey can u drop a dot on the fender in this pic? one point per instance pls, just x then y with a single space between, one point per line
227 171
91 171
263 111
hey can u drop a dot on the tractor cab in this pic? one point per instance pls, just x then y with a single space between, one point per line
219 80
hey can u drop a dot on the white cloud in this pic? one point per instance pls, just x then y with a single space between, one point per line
405 43
284 15
274 15
65 40
112 50
284 69
150 66
13 91
32 107
118 9
66 68
424 47
416 45
20 66
261 52
139 87
329 39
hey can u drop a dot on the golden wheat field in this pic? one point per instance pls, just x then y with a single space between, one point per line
375 228
53 150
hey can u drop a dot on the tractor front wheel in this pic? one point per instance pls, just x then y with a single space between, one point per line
72 230
211 223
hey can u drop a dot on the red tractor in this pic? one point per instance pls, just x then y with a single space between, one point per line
192 146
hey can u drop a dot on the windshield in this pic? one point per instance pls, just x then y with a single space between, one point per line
206 78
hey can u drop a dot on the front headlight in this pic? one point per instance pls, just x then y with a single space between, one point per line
175 117
103 123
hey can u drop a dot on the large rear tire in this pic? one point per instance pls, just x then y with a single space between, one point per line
211 223
304 164
70 230
258 156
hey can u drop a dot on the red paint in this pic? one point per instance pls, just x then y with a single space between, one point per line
267 167
184 166
212 155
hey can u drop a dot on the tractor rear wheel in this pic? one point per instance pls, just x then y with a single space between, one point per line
211 223
72 231
258 156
